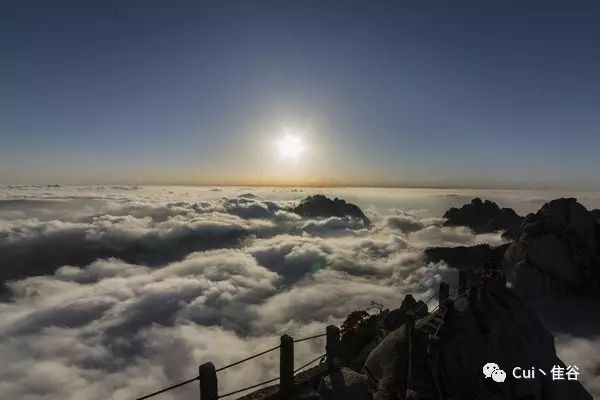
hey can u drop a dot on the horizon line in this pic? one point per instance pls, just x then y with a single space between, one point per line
316 186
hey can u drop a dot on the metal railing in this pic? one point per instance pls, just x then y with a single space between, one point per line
207 373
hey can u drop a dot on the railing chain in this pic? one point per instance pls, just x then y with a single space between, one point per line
247 359
310 337
168 388
248 388
310 362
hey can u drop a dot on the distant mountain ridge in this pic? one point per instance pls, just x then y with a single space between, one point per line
558 246
485 216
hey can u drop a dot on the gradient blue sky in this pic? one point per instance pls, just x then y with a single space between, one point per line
407 93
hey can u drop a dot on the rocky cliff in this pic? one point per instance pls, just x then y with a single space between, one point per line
413 353
558 249
489 324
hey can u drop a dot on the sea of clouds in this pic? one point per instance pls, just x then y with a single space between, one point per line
117 291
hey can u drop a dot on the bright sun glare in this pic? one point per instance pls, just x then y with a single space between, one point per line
291 146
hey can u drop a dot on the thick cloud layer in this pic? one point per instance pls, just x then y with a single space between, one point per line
583 352
118 292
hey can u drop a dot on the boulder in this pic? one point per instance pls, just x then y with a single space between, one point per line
485 216
319 206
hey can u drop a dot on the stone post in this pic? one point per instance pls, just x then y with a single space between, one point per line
409 326
443 294
208 382
472 296
333 347
462 281
286 368
408 303
449 308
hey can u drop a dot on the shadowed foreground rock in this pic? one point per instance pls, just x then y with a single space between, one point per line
491 325
319 206
410 353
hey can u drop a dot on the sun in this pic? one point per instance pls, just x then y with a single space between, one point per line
291 146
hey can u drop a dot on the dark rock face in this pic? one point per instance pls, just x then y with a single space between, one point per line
448 348
558 249
320 206
467 257
485 216
494 327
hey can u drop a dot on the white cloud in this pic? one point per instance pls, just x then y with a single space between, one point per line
585 354
120 292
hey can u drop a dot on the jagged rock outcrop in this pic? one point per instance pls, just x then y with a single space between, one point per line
445 354
488 326
318 205
485 216
467 257
558 250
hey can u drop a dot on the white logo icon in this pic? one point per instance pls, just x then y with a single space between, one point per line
489 368
499 376
492 370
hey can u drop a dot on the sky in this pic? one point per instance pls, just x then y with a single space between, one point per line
389 93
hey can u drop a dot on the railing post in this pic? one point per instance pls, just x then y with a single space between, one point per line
409 324
449 307
333 347
462 282
483 289
208 382
408 303
472 295
409 327
502 279
443 294
286 368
